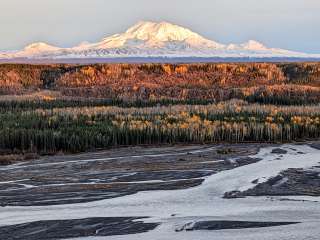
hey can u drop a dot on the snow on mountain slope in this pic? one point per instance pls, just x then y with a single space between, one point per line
150 39
39 47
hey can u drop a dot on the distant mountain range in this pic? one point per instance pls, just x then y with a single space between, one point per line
154 40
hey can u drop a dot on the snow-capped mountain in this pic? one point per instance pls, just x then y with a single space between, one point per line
150 39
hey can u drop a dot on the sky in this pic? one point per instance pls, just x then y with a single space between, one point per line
288 24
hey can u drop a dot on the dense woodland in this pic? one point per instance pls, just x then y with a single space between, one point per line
109 105
48 129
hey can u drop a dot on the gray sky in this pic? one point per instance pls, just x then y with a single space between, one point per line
290 24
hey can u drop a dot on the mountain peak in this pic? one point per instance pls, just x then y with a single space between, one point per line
154 39
162 31
157 35
254 45
40 47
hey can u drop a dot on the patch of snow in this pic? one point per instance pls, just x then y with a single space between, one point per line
282 181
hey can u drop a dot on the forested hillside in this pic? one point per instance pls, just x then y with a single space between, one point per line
266 82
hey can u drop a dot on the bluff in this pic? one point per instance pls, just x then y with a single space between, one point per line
216 81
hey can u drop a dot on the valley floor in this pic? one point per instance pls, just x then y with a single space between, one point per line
235 191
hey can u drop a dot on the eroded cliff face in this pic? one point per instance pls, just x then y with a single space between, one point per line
158 81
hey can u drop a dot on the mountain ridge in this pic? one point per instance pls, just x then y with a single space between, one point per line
152 39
